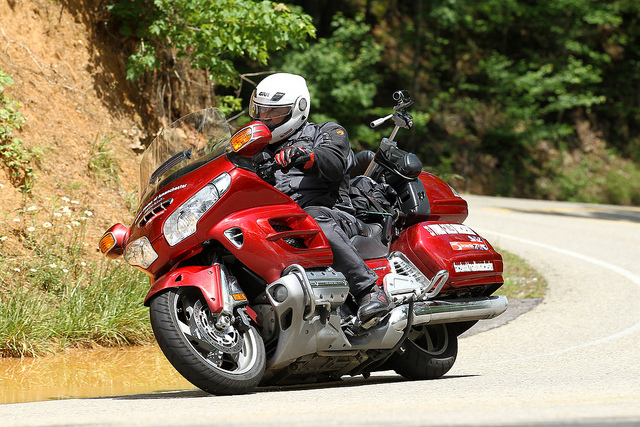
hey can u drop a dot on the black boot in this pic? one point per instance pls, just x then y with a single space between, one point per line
372 304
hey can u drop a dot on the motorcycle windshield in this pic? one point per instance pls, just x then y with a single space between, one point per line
185 145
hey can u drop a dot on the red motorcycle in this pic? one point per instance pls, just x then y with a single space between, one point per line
242 290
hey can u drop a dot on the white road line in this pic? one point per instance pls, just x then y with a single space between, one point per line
621 271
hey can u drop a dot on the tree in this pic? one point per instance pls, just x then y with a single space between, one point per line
208 34
341 74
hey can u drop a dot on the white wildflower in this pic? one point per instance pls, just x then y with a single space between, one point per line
88 213
32 208
31 229
47 225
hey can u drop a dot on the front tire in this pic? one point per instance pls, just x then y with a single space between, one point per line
228 360
429 352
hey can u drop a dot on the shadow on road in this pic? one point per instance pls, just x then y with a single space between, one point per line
341 383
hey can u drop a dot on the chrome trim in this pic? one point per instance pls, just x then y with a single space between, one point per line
462 310
437 283
235 236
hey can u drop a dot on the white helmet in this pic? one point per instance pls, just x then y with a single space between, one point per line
281 101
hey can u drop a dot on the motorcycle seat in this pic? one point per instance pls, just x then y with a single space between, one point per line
372 242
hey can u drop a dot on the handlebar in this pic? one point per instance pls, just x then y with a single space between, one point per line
266 166
378 122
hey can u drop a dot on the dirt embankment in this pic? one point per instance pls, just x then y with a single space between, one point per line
69 81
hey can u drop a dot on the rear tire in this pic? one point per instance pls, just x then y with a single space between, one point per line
228 361
429 352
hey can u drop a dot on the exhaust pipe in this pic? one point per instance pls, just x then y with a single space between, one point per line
450 311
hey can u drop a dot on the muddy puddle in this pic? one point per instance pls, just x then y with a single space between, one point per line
88 373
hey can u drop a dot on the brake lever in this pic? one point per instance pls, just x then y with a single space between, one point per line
265 166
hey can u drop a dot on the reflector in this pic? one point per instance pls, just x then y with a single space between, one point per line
239 297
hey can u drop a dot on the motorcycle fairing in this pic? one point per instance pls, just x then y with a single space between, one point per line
283 235
270 221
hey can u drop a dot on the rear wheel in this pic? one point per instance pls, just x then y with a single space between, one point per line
216 358
429 352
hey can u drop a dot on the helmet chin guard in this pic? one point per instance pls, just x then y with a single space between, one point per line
281 101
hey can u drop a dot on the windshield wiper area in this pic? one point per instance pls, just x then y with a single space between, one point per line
174 160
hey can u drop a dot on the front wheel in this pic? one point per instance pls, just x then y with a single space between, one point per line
429 352
217 359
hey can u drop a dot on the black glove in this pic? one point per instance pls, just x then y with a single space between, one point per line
295 156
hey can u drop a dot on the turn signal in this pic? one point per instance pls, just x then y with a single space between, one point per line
107 242
250 139
241 138
112 242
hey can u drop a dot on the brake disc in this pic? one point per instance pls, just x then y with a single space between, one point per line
228 341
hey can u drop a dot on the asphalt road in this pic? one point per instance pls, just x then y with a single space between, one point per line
571 360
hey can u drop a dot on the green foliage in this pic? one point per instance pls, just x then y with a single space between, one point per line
501 78
496 81
594 178
210 33
52 296
18 159
102 161
341 73
531 93
520 279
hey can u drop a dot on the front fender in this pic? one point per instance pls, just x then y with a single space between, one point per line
207 279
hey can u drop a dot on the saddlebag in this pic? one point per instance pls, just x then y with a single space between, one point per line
474 266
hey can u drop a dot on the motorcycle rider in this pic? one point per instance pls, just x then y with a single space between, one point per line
316 159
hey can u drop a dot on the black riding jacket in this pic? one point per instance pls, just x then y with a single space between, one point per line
326 183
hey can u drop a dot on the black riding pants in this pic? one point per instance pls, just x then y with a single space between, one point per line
339 227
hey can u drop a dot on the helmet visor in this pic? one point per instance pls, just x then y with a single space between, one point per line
270 116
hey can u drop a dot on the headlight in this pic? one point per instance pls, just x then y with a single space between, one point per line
184 221
140 253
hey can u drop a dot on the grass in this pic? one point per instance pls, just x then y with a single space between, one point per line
100 308
15 156
53 296
102 161
520 279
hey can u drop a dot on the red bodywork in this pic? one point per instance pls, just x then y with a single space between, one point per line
206 278
445 204
277 233
267 218
440 242
435 245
